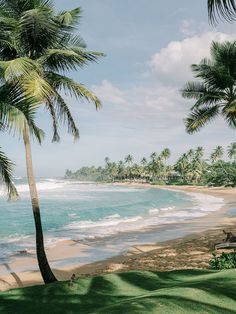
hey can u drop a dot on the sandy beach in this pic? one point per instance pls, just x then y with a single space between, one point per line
192 251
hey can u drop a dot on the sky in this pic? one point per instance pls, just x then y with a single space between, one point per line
149 47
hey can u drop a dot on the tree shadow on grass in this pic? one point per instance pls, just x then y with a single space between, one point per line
130 292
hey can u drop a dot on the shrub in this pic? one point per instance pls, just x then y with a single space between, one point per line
224 261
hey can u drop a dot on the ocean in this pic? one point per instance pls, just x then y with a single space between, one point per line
108 218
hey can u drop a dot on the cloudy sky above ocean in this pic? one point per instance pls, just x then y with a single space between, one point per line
149 47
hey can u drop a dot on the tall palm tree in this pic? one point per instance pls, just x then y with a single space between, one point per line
215 92
129 159
165 154
37 47
182 166
232 151
199 152
221 9
217 154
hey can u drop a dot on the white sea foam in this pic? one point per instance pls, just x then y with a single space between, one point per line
41 186
73 216
155 211
207 203
182 214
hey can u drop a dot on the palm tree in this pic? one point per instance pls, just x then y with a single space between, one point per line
37 47
215 93
165 154
232 151
217 154
121 170
144 161
182 166
199 152
129 159
225 9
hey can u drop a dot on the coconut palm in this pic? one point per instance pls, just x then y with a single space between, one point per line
182 166
232 151
121 169
144 161
165 154
225 9
217 154
129 159
215 92
199 152
37 48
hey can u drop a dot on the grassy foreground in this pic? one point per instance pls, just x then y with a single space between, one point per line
183 291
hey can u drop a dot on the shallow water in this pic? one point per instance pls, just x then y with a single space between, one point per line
108 217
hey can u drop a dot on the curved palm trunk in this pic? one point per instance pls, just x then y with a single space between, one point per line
44 267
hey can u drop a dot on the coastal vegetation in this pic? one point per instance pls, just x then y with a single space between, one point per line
224 261
183 292
37 47
190 168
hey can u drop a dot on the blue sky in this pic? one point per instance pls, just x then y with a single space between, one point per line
149 47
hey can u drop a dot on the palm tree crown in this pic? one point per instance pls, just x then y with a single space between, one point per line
215 91
37 47
221 9
232 151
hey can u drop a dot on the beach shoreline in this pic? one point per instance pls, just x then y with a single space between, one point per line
193 250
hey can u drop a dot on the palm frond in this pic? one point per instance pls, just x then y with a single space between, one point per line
221 9
37 30
79 91
65 115
202 94
50 106
200 117
13 69
70 18
6 171
229 113
16 111
65 59
35 86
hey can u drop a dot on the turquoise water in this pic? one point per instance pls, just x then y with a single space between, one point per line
96 214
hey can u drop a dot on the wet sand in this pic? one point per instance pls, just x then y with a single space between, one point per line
193 251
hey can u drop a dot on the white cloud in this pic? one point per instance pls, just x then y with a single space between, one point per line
109 93
190 27
173 62
157 103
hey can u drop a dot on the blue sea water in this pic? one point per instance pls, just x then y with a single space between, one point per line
92 213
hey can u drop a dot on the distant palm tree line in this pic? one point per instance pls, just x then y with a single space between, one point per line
190 168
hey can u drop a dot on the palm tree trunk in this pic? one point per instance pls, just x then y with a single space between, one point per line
44 267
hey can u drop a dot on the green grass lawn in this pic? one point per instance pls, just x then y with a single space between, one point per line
185 291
